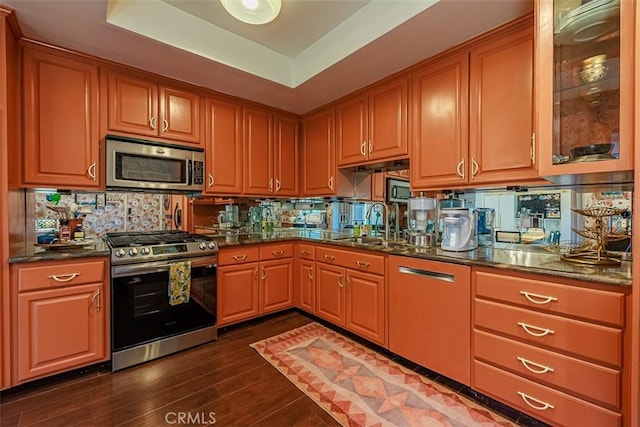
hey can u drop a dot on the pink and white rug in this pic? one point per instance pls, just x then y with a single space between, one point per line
360 387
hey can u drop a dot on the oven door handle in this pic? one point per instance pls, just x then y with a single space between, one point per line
128 270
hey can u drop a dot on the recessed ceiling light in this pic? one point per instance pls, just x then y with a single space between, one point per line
254 12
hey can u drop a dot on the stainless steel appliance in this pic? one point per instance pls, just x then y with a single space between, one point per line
397 190
136 164
144 323
485 226
458 229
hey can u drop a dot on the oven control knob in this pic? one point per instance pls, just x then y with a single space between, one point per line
145 251
203 246
120 252
133 252
211 245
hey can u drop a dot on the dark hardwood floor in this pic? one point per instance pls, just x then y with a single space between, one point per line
225 381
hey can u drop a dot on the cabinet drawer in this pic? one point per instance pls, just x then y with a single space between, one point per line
351 259
305 251
595 342
55 275
589 380
542 402
239 255
592 304
281 250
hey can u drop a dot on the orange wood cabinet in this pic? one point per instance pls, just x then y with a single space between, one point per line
350 291
223 147
378 184
304 283
61 136
144 107
429 315
60 313
373 126
551 348
318 167
254 280
470 126
270 153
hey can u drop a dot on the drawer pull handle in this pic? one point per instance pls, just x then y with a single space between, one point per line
329 257
362 264
96 299
277 253
542 332
449 278
64 277
544 405
541 299
239 257
305 253
528 363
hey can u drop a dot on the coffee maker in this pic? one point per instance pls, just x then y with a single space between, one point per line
421 212
485 226
459 231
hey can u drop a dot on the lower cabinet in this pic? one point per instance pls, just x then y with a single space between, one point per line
429 315
305 280
60 314
238 292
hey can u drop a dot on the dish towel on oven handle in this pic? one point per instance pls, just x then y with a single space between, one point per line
179 282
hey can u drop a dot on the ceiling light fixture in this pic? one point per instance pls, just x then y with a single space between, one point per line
254 12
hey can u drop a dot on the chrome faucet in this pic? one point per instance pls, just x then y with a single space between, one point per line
386 217
395 207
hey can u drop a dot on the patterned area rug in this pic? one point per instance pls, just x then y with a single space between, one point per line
360 387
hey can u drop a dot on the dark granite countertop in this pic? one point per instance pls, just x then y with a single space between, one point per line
527 259
32 253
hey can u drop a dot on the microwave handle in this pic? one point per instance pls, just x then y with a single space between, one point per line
189 172
394 192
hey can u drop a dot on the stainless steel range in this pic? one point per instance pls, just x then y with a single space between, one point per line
146 321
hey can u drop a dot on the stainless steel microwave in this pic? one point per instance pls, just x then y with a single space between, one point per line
397 190
135 164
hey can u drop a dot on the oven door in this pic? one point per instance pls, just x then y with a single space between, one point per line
140 309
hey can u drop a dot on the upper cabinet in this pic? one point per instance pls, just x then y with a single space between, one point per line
372 126
146 108
585 82
223 147
318 154
61 136
286 170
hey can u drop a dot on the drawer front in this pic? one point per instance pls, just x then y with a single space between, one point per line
545 403
588 340
592 304
55 275
305 251
355 260
238 255
591 381
277 251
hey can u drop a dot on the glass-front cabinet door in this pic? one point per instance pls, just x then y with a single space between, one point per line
585 90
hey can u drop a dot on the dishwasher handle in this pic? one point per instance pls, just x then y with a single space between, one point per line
449 278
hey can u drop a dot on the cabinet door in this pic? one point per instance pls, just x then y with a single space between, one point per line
133 105
388 121
60 329
238 290
439 127
378 184
61 136
501 110
286 156
306 285
330 293
277 285
352 139
180 115
365 306
318 155
223 147
258 152
429 315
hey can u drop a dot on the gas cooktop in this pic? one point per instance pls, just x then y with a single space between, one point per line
145 246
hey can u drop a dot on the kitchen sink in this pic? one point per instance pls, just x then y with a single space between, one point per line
374 241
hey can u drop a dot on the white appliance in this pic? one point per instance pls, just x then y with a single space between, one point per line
458 229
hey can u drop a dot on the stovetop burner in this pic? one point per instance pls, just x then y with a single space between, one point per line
150 238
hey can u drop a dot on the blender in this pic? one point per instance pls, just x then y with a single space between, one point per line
485 226
422 221
458 229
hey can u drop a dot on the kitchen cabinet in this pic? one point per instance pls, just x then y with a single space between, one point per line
276 264
378 184
145 107
223 147
350 291
585 78
61 316
61 135
305 280
318 167
429 315
470 126
372 126
552 348
271 153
